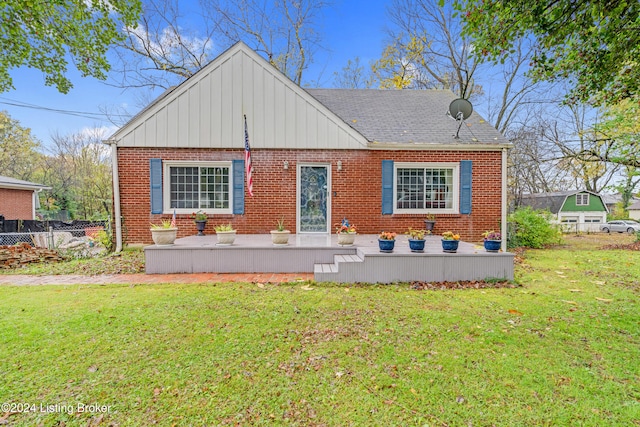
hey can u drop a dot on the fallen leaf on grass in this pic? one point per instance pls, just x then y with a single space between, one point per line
570 302
516 312
599 282
604 299
260 285
306 288
575 290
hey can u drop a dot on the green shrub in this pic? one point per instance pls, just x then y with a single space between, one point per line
532 229
105 238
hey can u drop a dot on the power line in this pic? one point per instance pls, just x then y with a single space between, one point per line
86 114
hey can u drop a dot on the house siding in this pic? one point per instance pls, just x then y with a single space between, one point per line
16 204
207 111
595 205
356 189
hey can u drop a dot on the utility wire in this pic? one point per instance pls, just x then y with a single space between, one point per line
88 115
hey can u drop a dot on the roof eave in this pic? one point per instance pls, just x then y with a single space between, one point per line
437 146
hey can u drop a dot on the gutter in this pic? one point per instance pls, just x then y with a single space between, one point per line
438 146
503 222
116 194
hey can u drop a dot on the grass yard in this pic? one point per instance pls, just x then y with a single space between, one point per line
561 349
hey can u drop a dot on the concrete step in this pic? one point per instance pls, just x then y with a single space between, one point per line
325 268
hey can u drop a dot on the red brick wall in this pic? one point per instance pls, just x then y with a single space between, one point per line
356 190
16 204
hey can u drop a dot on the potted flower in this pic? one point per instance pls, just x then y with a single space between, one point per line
429 222
386 241
346 233
225 233
492 241
164 233
450 241
416 239
280 236
200 218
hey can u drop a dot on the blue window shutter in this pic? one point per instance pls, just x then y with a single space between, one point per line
238 187
155 170
465 186
387 187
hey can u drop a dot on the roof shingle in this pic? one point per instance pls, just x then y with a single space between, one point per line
406 116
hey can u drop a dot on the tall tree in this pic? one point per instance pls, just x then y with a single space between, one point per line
570 131
282 30
172 42
44 34
354 75
427 50
78 170
594 44
169 45
18 149
617 137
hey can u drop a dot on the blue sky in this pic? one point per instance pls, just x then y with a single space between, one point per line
349 28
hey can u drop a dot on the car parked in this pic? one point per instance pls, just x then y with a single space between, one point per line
621 226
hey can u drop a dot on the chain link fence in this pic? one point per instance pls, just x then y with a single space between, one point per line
53 234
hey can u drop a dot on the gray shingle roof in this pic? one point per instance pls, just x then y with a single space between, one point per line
405 116
8 182
550 201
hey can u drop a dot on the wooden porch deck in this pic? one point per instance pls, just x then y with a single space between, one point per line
329 262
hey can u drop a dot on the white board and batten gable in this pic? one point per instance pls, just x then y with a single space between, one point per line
207 111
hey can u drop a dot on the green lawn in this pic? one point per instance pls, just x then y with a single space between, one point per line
562 349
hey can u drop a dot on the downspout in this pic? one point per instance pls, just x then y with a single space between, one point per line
116 194
35 202
503 221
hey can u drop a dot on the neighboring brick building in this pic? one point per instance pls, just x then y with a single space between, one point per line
382 158
19 199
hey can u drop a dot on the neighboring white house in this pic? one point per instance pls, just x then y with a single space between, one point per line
634 211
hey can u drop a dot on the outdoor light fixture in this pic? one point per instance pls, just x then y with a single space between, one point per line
286 164
339 165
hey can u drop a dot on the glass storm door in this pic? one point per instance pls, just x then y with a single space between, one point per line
313 198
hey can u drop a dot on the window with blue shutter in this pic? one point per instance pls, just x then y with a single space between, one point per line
465 186
238 187
155 170
387 187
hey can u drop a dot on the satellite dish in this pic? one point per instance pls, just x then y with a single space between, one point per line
460 109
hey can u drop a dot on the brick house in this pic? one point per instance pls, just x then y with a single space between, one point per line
19 199
384 159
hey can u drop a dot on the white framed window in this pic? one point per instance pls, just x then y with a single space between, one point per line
426 187
582 199
193 186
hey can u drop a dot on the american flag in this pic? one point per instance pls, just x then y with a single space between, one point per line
173 219
247 158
